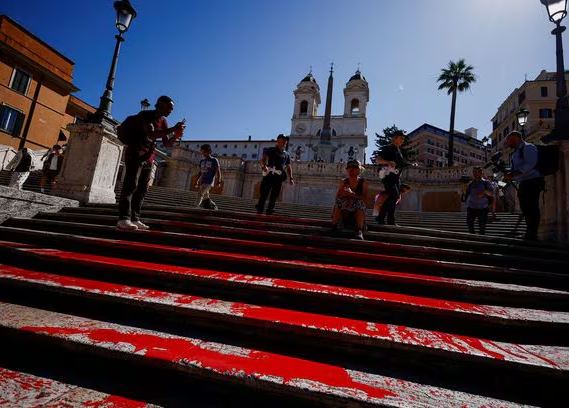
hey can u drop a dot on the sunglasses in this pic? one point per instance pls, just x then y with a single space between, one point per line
352 167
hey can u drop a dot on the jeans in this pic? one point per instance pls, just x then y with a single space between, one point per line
528 195
271 184
135 186
203 193
392 187
481 214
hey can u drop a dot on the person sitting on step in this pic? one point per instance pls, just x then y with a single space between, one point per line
350 198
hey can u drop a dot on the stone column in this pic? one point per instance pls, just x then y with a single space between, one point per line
91 164
554 224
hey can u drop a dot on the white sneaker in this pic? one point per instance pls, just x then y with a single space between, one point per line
140 225
126 225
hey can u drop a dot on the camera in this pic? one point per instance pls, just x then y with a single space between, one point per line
498 164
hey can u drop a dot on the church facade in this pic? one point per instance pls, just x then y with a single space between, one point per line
346 138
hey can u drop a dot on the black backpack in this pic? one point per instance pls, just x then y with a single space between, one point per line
131 130
547 159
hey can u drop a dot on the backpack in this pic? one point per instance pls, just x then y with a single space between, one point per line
131 130
547 159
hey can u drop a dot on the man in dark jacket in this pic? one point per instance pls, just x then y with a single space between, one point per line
138 158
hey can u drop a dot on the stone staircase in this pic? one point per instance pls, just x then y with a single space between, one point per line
506 225
230 309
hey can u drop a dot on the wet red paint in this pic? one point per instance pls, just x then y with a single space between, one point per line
195 355
114 401
387 298
397 335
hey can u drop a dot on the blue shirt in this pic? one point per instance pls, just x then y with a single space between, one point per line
208 168
524 160
476 199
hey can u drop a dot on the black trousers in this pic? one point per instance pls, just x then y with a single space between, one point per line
135 186
472 214
270 187
392 186
528 195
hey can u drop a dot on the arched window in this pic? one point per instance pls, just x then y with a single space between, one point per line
355 106
303 108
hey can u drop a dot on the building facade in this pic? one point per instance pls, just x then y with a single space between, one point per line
36 83
537 96
429 145
244 149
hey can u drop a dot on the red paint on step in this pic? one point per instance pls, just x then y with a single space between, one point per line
223 360
313 323
389 299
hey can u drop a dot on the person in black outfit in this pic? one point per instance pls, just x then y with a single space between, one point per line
21 169
275 164
391 156
138 160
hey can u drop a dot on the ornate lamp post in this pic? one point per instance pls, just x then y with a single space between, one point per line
144 104
523 116
557 10
125 15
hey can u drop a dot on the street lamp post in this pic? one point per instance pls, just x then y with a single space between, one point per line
125 15
523 116
144 104
557 10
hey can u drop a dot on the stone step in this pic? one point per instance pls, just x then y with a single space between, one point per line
467 290
316 226
436 314
25 390
225 304
273 259
188 232
291 377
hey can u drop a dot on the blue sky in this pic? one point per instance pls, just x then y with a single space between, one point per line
232 65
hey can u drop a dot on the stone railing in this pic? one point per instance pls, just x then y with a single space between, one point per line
194 157
426 175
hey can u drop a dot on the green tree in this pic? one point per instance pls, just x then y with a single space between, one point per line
385 138
456 77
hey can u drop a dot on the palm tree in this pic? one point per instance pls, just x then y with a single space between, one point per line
457 77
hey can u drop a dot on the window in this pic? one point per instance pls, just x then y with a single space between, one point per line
254 156
11 120
244 156
244 146
521 97
78 120
544 91
20 81
235 146
545 113
216 146
355 107
495 125
255 146
303 108
225 146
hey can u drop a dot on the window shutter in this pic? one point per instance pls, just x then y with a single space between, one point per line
18 124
